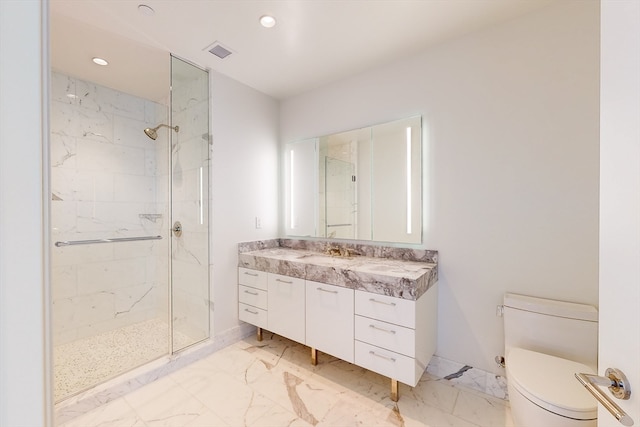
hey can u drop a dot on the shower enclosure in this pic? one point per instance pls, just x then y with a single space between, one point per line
129 218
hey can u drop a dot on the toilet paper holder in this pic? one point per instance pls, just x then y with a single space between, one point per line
617 383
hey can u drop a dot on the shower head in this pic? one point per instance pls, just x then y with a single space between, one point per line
153 134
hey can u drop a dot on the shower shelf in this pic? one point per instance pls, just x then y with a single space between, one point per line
114 240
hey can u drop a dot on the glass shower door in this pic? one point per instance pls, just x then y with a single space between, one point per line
340 195
190 302
108 224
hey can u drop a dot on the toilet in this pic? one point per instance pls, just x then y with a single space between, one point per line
546 343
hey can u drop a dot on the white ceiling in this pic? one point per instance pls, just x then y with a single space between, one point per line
314 42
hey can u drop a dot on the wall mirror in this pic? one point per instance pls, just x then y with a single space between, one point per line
363 184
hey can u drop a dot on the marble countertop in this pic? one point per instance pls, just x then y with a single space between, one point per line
401 278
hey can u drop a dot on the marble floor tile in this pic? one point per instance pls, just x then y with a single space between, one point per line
415 413
231 400
433 391
482 409
117 413
346 413
272 383
278 416
196 372
207 419
164 403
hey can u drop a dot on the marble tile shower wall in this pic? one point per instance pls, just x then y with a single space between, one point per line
107 181
190 205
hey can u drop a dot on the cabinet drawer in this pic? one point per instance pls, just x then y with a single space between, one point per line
253 315
388 309
252 296
386 335
387 363
253 278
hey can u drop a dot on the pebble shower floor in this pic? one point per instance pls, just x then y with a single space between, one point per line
83 363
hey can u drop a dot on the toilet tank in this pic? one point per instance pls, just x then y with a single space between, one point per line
558 328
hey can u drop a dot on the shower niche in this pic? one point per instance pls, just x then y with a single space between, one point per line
124 167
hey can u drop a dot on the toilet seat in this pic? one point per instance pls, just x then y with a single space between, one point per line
552 384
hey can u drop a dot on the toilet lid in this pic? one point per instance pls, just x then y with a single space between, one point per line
552 385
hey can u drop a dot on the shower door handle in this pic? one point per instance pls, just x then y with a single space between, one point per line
177 229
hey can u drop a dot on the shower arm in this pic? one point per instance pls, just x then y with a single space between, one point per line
176 127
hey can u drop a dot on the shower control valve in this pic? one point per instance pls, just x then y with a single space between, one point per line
177 229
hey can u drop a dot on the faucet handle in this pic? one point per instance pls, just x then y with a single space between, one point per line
350 252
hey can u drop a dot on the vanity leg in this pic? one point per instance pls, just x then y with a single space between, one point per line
259 334
314 356
394 390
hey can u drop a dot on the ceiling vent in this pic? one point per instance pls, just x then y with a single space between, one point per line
218 50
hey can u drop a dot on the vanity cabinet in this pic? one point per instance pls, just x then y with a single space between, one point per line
286 306
329 319
392 336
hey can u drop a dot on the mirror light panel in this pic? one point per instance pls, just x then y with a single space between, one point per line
409 180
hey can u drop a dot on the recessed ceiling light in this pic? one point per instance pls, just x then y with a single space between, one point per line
100 61
267 21
146 10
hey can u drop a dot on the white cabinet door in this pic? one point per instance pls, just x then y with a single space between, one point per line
285 306
330 319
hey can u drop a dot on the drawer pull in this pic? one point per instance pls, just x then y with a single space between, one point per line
373 353
251 274
327 290
284 281
249 311
392 304
389 331
250 293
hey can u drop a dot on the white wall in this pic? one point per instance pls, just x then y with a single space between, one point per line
511 145
245 164
24 347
